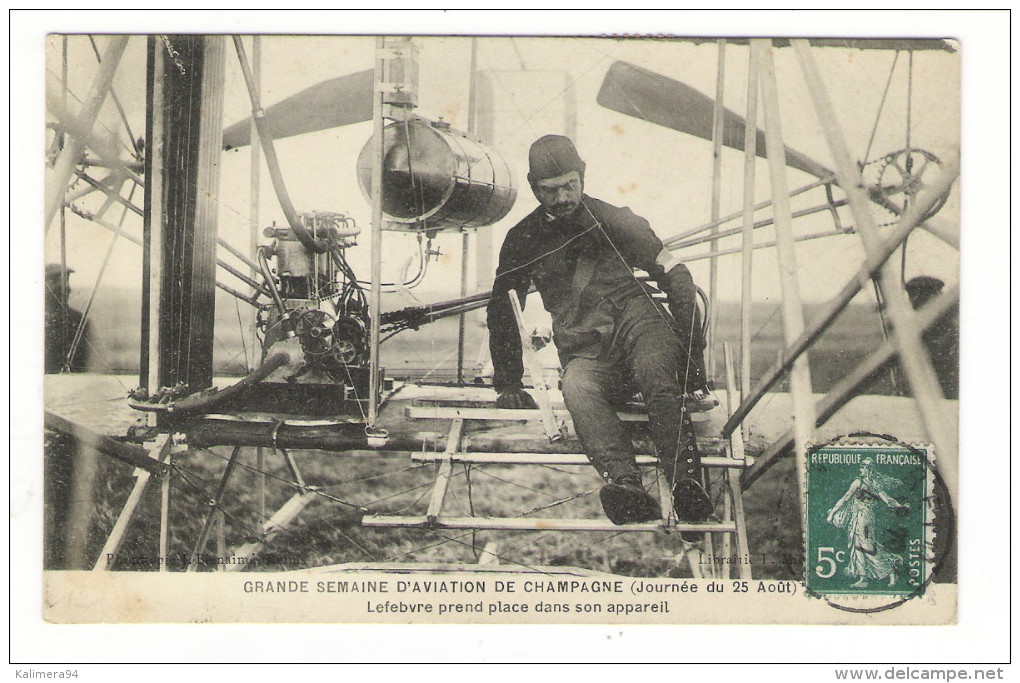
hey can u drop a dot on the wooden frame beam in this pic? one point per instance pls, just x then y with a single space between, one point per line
535 524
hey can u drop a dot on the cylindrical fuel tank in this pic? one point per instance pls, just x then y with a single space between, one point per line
437 178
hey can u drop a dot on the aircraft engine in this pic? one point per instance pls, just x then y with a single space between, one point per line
320 308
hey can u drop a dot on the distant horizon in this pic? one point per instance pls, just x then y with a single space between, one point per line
116 330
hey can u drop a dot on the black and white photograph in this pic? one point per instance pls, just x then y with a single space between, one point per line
499 328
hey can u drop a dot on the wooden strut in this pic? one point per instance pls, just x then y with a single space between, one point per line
763 223
673 242
113 195
874 261
735 500
717 144
465 250
747 243
793 310
294 471
553 430
130 454
116 102
489 555
445 471
164 514
229 290
727 546
906 330
727 493
254 234
118 231
247 553
512 414
184 124
152 221
465 235
85 121
214 508
375 294
108 555
846 388
221 540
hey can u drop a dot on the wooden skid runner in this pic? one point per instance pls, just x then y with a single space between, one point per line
556 459
535 524
451 412
477 410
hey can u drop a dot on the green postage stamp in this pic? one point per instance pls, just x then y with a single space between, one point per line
869 519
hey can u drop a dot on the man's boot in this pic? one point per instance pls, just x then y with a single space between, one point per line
690 501
625 500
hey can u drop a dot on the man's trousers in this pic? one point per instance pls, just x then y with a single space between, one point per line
645 354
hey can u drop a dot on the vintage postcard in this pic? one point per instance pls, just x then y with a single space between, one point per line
512 329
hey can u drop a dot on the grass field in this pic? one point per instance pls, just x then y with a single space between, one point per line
329 531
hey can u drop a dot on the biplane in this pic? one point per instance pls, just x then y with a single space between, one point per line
414 469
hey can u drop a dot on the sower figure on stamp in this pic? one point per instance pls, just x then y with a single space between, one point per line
609 331
857 512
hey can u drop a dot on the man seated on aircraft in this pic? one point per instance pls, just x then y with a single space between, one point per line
608 330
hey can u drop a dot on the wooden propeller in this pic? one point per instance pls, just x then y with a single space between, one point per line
652 97
330 104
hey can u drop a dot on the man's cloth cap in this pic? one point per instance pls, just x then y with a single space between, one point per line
551 156
55 270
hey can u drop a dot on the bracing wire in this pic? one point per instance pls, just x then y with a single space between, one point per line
254 532
881 105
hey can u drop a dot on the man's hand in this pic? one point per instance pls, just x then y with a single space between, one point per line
516 399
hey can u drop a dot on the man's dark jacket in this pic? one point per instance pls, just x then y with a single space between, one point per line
582 265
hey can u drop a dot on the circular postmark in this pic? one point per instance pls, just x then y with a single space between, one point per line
878 522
